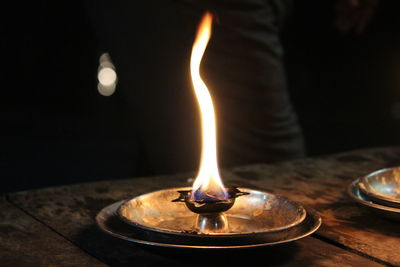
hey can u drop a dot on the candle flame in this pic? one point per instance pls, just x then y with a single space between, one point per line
208 184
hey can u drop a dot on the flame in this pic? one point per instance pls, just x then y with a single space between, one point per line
208 181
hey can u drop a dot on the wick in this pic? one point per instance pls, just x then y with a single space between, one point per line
201 197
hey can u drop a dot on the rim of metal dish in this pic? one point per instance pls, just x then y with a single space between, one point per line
369 203
274 230
310 212
373 195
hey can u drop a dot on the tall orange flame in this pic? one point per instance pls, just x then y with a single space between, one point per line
208 181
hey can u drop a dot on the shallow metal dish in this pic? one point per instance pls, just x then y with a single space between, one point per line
387 212
382 186
254 214
108 221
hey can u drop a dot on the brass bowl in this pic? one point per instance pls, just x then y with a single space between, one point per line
385 211
109 222
256 214
382 186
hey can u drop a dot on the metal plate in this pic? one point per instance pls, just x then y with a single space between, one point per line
109 222
382 186
357 195
256 213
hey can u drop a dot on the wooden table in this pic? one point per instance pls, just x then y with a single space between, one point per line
55 226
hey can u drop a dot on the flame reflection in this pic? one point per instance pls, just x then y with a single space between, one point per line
208 184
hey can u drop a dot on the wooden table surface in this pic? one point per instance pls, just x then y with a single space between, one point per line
55 226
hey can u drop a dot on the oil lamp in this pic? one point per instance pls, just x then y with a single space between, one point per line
213 216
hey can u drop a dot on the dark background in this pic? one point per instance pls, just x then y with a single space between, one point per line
57 129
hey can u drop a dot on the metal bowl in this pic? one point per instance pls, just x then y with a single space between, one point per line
382 186
109 222
254 214
387 212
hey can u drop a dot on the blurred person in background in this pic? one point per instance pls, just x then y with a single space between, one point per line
150 43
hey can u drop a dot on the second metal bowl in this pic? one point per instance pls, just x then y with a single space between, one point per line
382 186
385 211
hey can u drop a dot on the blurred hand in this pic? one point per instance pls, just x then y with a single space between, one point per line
354 15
